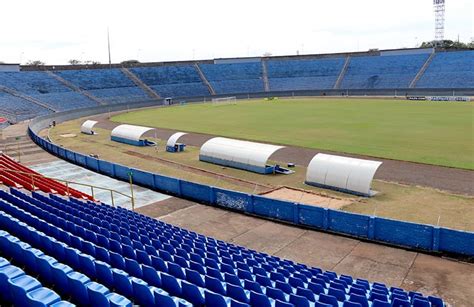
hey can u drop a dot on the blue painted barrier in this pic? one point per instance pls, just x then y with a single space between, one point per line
411 235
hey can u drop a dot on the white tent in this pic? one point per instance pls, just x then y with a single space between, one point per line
342 173
130 134
240 154
174 138
87 126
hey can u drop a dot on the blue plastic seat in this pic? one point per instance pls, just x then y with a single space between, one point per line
351 304
151 276
258 299
8 272
316 288
29 259
338 293
42 297
117 300
192 293
122 283
133 268
214 299
44 266
377 296
87 265
252 286
299 301
170 284
436 301
214 285
59 273
162 298
65 304
104 273
420 302
21 285
378 303
194 277
361 299
328 299
98 294
397 302
142 292
78 287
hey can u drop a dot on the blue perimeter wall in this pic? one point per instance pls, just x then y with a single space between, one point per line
411 235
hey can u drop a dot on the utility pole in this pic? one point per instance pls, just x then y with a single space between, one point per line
108 46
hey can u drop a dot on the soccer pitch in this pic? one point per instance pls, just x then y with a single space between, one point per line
439 133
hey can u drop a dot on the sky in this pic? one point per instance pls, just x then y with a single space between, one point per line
56 31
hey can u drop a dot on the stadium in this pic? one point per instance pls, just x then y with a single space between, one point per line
340 179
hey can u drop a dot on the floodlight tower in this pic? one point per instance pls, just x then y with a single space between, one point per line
439 9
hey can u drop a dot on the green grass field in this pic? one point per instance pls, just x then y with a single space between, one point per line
427 132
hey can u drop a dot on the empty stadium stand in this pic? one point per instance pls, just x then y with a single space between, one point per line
106 254
34 93
391 71
172 81
234 78
449 70
288 75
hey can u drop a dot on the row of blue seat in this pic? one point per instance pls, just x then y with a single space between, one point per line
21 289
273 288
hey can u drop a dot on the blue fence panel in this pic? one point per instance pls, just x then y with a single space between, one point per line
143 178
312 216
232 200
404 233
456 241
349 223
274 208
122 172
62 152
166 184
92 163
54 149
49 147
80 159
106 168
70 156
196 191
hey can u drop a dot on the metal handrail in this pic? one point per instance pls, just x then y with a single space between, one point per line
68 182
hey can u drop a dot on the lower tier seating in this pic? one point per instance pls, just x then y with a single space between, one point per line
117 257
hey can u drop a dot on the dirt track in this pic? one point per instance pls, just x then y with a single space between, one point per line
454 180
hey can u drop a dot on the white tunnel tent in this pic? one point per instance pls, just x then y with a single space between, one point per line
172 145
88 126
345 174
245 155
132 135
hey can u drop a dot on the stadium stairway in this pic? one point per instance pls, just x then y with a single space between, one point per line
337 85
204 79
422 70
266 83
75 88
150 92
106 254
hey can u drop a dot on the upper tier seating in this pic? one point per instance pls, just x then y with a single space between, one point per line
32 82
234 78
449 70
391 71
98 248
110 85
288 75
20 109
172 81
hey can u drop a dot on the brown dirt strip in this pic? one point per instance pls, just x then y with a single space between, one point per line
459 181
200 171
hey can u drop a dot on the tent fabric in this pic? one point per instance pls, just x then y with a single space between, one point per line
130 132
244 152
174 138
344 173
87 126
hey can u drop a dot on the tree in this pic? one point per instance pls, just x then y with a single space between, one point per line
447 44
35 63
74 62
